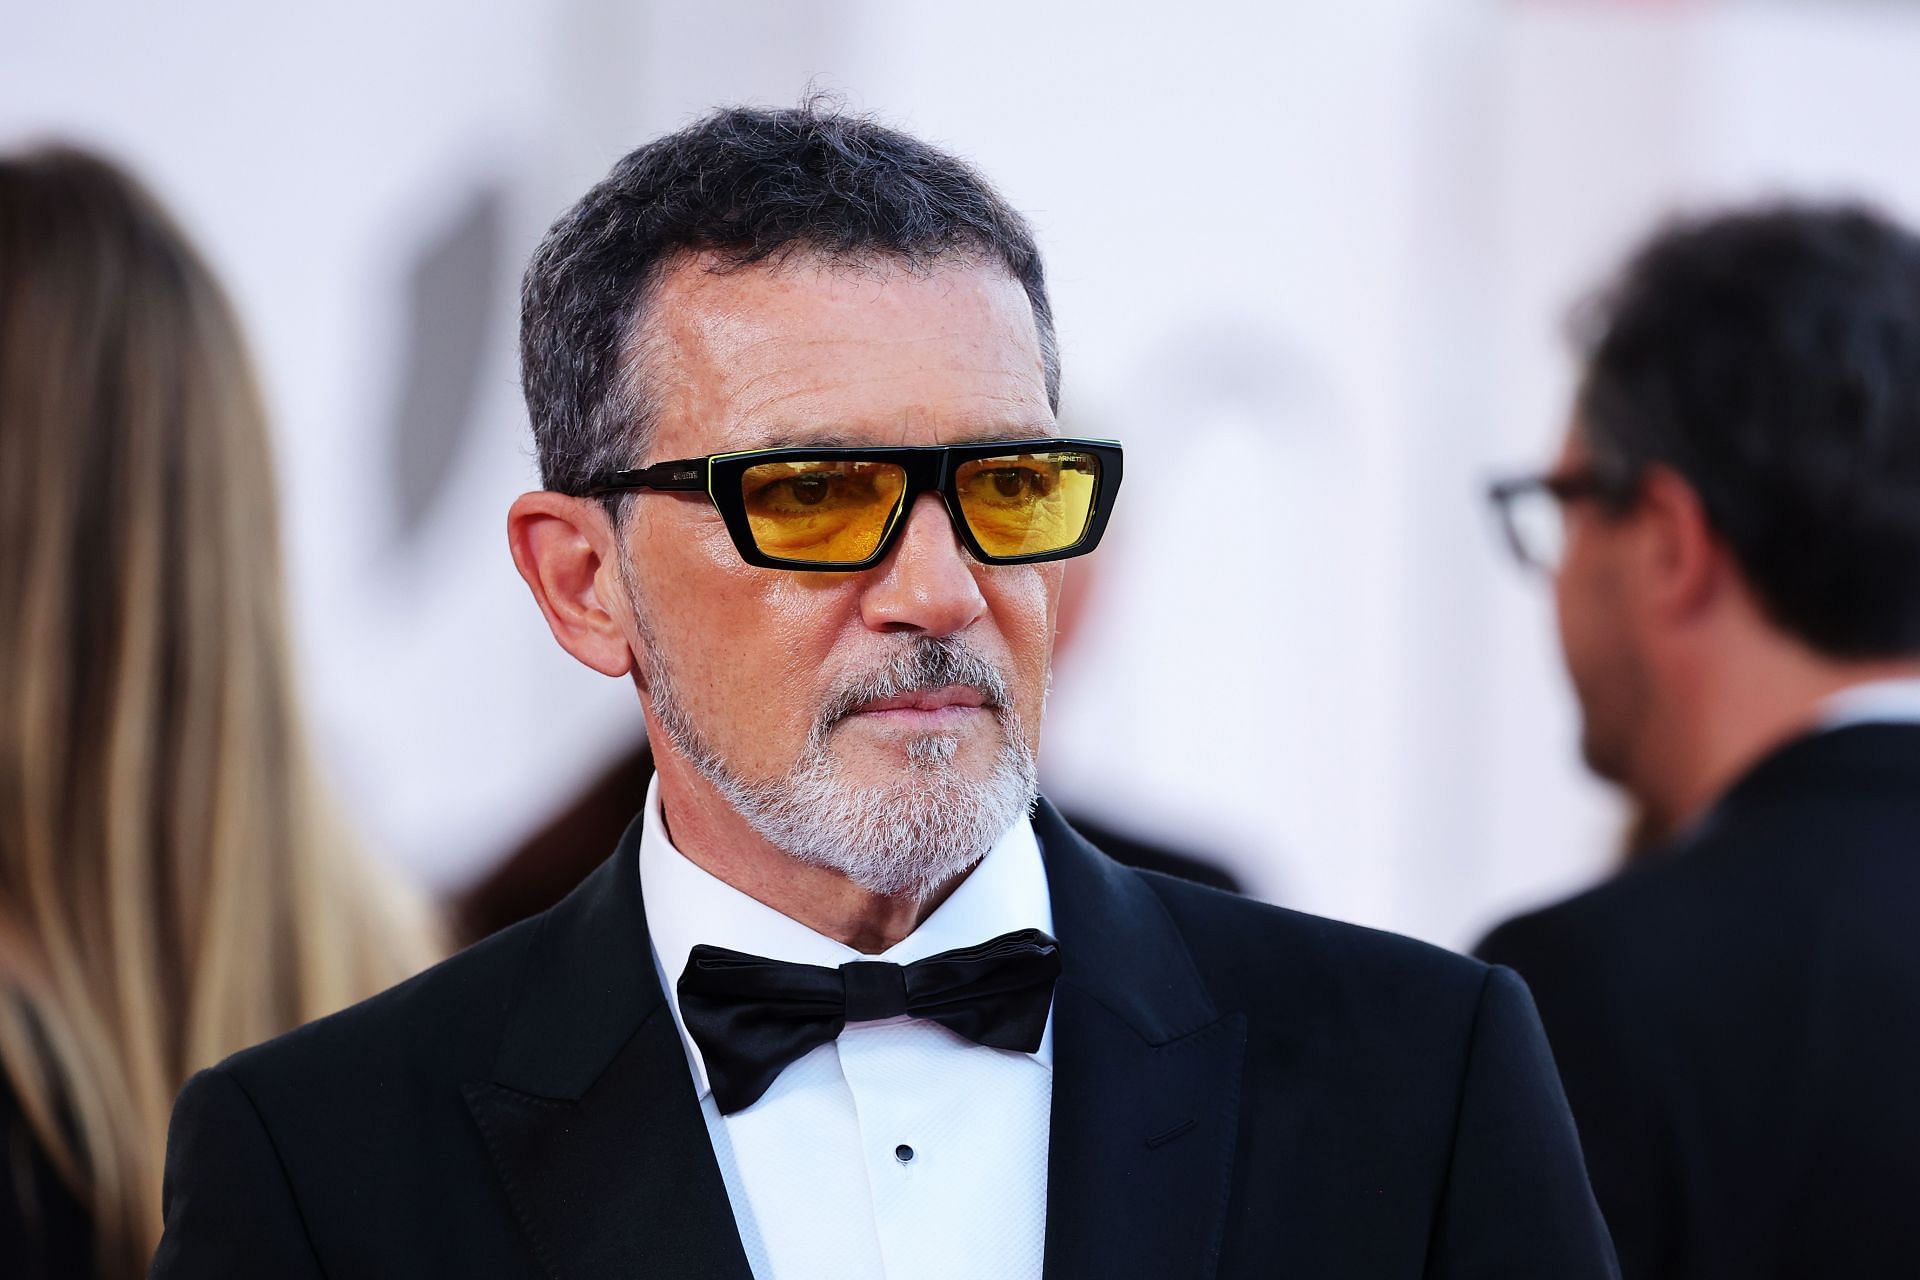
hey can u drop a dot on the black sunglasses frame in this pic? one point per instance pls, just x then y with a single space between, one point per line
928 469
1576 486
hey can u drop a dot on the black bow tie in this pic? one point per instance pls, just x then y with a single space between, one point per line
751 1017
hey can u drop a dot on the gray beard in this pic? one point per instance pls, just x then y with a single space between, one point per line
906 836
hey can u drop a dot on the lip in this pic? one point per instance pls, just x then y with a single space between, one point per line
946 701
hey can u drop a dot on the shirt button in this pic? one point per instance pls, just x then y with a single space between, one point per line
903 1153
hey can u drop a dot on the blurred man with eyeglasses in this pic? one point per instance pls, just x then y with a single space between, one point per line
848 1000
1733 529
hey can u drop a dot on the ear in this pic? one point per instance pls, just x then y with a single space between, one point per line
1684 562
564 549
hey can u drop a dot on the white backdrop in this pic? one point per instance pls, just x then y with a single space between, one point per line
1323 251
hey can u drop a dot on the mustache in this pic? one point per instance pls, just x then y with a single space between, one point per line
928 662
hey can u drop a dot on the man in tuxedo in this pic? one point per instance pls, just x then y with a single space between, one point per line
792 377
1737 1015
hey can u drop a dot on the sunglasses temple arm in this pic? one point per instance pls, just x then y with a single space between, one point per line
687 475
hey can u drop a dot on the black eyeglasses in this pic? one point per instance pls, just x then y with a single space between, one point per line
1532 513
840 510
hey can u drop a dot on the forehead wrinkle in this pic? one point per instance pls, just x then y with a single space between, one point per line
969 431
1014 390
749 351
744 380
996 406
746 374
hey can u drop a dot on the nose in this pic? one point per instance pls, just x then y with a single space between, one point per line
927 585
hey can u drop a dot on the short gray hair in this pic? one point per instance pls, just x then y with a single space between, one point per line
746 185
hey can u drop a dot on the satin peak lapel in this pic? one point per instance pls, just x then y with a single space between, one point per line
1146 1086
591 1116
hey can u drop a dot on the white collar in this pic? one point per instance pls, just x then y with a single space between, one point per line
687 905
1874 702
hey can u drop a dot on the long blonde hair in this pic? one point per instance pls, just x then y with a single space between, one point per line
171 887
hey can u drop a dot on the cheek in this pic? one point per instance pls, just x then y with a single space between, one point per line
745 645
797 621
1022 601
695 590
1572 609
1573 582
1589 608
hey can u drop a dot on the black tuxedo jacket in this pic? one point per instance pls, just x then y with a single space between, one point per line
1738 1024
1238 1091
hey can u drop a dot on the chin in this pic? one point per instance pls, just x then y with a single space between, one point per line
968 757
1601 759
1613 705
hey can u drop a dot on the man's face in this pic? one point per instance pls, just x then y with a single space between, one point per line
749 671
1601 646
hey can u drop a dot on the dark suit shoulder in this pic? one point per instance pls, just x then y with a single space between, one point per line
347 1146
444 1022
1776 873
1591 922
1720 1015
1273 959
1421 1075
1828 813
1213 919
1603 963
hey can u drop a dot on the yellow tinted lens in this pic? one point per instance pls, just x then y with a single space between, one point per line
1028 504
827 512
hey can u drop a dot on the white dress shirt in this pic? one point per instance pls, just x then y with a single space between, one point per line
1874 702
901 1149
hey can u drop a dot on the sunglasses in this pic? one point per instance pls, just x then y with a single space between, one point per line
839 510
1533 512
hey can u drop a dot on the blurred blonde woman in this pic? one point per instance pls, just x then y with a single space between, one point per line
171 887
